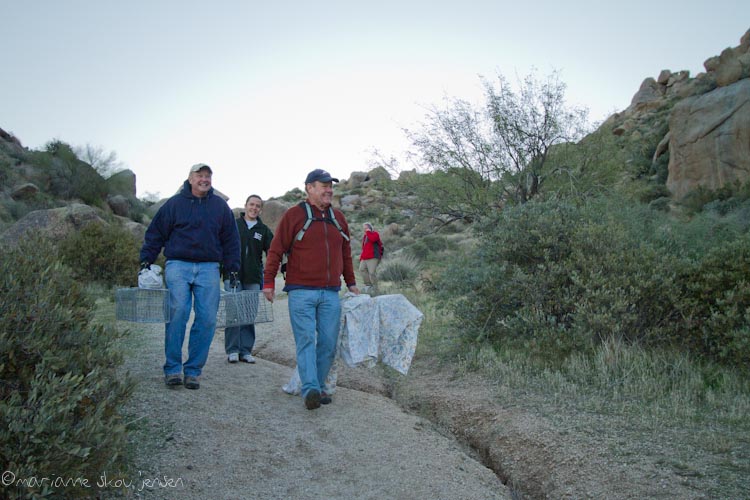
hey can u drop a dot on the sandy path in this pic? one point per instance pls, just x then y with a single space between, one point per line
240 436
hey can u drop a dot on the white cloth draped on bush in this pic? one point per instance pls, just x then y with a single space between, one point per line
382 328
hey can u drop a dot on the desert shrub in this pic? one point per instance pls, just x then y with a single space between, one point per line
399 269
428 245
105 253
418 250
660 168
653 192
13 209
557 277
660 204
721 200
137 210
294 196
514 286
716 305
69 177
624 285
60 392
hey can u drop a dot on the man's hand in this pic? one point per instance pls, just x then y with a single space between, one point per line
354 289
234 280
269 293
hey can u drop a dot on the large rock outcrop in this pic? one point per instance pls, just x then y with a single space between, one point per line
709 140
707 129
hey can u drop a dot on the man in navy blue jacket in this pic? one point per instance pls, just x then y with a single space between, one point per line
197 231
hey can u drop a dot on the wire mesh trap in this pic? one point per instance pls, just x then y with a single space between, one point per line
243 308
142 305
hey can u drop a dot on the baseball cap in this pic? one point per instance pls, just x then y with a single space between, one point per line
200 166
319 175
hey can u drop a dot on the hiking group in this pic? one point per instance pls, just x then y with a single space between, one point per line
203 242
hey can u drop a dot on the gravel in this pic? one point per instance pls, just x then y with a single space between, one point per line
241 436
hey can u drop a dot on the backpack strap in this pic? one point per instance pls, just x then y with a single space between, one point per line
336 223
310 219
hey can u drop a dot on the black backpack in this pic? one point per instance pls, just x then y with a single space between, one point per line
377 247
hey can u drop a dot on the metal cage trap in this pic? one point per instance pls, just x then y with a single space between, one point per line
142 305
243 308
149 305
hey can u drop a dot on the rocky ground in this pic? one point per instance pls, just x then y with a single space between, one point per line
428 435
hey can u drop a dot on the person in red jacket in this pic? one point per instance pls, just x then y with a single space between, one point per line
372 252
315 238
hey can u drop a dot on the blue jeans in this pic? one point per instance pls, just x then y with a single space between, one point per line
185 281
240 339
315 316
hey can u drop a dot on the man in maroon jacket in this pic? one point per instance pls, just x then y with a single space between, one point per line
315 237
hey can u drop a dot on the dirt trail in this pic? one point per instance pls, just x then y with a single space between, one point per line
430 435
240 436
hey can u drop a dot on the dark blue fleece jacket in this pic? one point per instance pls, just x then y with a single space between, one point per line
195 230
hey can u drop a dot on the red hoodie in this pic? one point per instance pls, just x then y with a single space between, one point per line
370 239
319 259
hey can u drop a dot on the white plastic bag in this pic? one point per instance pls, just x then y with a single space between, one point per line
151 278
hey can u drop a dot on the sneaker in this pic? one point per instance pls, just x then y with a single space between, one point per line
173 380
325 398
312 400
248 358
191 383
233 357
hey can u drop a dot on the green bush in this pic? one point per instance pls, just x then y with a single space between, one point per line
660 204
69 177
60 392
717 303
429 245
558 277
401 269
104 253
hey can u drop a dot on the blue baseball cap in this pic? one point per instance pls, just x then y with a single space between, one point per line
319 175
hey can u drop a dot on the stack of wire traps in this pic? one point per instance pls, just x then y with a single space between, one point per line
142 305
244 307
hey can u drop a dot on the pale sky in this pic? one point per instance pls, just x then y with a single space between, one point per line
266 91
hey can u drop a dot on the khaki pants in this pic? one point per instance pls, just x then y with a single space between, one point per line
368 268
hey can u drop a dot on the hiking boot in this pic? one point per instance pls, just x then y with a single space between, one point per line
247 358
173 380
325 398
191 383
312 400
233 357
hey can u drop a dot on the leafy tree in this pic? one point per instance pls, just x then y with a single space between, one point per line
526 125
496 155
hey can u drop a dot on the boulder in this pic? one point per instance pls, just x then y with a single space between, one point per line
54 223
650 95
356 179
709 140
119 205
272 212
24 191
379 174
729 69
350 202
136 229
122 183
